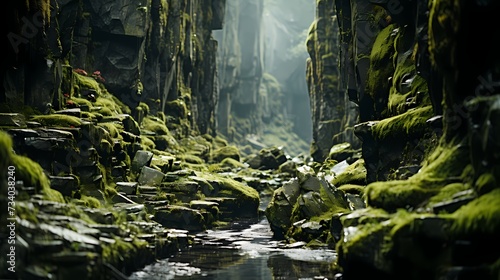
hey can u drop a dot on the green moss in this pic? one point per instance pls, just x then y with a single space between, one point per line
478 217
90 202
226 152
27 111
232 163
443 166
232 188
85 82
447 192
411 122
113 128
352 189
155 125
81 101
381 67
147 143
354 174
485 183
120 251
189 158
144 107
57 120
5 150
177 108
108 106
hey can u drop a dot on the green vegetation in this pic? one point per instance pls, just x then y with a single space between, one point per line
226 152
445 164
155 125
479 217
354 174
57 120
409 123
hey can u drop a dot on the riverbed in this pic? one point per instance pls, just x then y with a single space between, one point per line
242 250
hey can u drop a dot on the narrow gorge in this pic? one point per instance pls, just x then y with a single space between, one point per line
250 139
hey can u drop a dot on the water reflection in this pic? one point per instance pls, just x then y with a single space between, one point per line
245 250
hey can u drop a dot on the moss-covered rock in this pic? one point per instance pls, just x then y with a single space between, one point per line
226 152
57 120
354 174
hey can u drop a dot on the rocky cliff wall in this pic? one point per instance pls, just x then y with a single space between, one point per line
426 87
161 53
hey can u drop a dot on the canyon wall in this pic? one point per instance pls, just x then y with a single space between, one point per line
161 53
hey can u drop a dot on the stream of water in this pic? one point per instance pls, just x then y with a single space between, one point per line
243 250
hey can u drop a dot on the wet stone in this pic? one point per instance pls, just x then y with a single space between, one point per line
451 205
141 159
75 112
105 228
122 198
147 190
12 120
23 133
188 187
355 201
128 208
311 184
291 190
65 185
180 217
150 176
46 246
127 187
151 205
304 172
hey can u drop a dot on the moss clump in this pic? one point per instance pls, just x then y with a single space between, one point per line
247 198
231 163
5 150
57 120
478 217
381 67
447 192
113 128
155 125
226 152
354 174
108 106
85 82
177 108
189 158
409 123
443 166
485 183
147 143
90 202
120 253
352 189
81 101
144 107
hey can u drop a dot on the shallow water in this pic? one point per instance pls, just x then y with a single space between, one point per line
245 250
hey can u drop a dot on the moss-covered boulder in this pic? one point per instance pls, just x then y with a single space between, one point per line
222 153
244 200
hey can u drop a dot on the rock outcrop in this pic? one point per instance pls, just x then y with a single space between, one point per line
426 94
161 53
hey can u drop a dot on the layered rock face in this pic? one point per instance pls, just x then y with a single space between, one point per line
426 87
333 114
158 52
241 63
